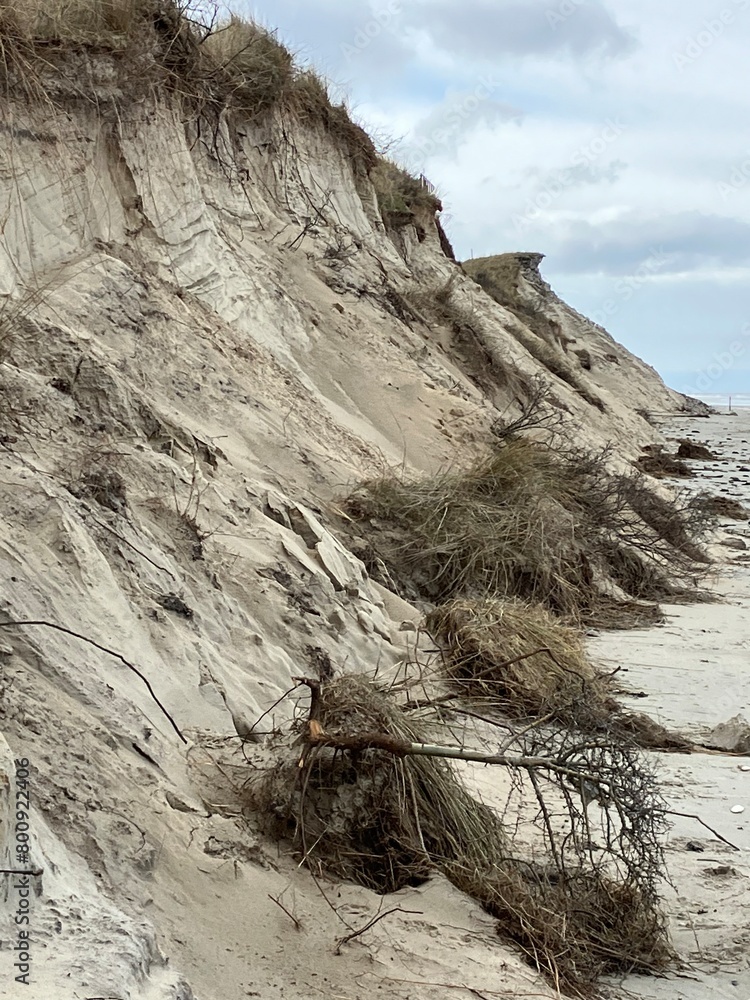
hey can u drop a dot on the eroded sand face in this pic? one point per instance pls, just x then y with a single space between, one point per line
695 671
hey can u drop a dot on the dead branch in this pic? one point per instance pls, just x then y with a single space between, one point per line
694 816
316 736
295 921
109 652
371 923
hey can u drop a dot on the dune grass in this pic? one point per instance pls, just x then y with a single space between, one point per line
518 656
402 198
159 47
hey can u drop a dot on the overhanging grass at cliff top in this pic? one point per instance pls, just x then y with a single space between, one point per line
47 47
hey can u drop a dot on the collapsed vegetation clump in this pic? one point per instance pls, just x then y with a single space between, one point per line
388 820
695 450
517 659
529 522
519 656
379 821
657 462
716 506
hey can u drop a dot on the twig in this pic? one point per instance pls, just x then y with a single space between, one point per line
672 812
110 652
103 524
371 923
21 871
269 710
297 924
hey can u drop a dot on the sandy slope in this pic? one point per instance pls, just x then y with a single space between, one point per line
187 387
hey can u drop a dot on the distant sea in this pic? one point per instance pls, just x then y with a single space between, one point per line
721 399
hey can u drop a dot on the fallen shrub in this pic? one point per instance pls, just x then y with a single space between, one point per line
655 461
733 510
532 523
696 451
391 812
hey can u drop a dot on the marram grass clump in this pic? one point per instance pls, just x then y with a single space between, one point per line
402 198
518 656
517 660
387 821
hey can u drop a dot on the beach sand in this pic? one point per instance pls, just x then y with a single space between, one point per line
695 671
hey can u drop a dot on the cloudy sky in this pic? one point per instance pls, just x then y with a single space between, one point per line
614 138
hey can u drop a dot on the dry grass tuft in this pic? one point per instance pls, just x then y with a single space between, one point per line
493 529
387 822
580 927
486 641
248 64
519 661
76 22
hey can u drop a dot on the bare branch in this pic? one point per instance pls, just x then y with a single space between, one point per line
371 923
109 652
